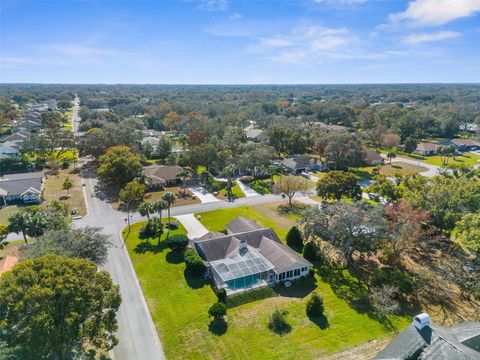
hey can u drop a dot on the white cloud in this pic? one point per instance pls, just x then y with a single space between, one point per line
235 16
435 12
305 44
213 5
430 37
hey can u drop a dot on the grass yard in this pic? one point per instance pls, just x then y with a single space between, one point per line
402 168
465 159
179 201
261 186
12 248
179 305
53 190
5 213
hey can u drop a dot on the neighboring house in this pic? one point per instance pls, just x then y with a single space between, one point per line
24 188
20 135
160 176
425 341
153 141
426 149
9 148
248 257
255 135
464 144
7 263
300 163
372 158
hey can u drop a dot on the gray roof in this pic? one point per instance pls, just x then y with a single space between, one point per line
213 247
299 162
16 184
371 155
434 342
241 224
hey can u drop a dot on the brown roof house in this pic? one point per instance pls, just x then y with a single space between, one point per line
464 144
248 257
426 148
371 157
160 176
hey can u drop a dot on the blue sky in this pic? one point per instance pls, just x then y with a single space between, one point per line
240 42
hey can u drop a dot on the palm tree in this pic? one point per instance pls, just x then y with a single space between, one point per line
183 175
391 155
228 171
145 209
159 206
169 198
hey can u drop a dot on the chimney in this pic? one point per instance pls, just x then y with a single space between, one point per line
243 247
421 320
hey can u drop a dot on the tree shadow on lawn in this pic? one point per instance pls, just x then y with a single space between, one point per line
299 289
147 246
194 281
175 257
321 321
218 327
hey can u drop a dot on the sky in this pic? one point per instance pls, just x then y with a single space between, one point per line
240 42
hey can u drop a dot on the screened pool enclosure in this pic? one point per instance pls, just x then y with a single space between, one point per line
243 269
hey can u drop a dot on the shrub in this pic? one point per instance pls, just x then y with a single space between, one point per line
194 263
152 229
65 165
218 310
246 179
222 295
278 322
310 251
393 276
315 306
172 225
177 242
294 237
311 272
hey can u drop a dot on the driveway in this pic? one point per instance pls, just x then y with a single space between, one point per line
203 195
194 228
247 190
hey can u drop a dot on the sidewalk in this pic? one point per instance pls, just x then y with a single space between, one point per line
194 228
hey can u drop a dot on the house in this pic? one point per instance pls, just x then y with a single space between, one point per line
249 256
7 263
160 176
23 188
254 134
422 340
464 144
9 148
152 141
302 163
20 135
372 158
426 149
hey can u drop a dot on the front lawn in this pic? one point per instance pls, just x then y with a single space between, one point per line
402 168
261 186
179 305
465 159
6 212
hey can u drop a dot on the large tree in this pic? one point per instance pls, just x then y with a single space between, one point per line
131 197
51 141
336 184
290 185
343 150
119 165
54 307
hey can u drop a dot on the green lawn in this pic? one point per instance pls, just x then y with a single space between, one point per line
465 159
179 305
236 191
5 213
261 186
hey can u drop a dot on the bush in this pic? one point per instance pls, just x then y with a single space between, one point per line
315 306
177 242
65 165
310 251
172 225
218 310
246 179
294 237
194 263
222 295
393 276
152 229
217 186
278 322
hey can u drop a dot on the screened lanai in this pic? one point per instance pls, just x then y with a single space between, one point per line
244 268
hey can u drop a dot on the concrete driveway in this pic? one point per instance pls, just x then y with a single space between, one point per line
203 195
247 190
194 228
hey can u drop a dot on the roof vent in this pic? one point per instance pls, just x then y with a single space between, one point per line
243 247
421 320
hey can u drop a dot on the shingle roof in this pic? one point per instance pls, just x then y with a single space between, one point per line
16 184
371 155
427 146
161 172
298 162
242 224
465 142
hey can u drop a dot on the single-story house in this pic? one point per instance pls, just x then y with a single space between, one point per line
22 136
426 148
160 176
255 135
249 256
300 163
372 158
153 141
9 148
422 340
464 144
23 188
7 263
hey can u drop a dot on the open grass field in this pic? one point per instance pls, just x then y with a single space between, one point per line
465 159
53 190
402 168
179 306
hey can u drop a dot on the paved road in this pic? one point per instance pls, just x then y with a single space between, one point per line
75 117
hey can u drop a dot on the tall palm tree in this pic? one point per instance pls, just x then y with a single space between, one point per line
145 209
169 198
183 175
159 206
